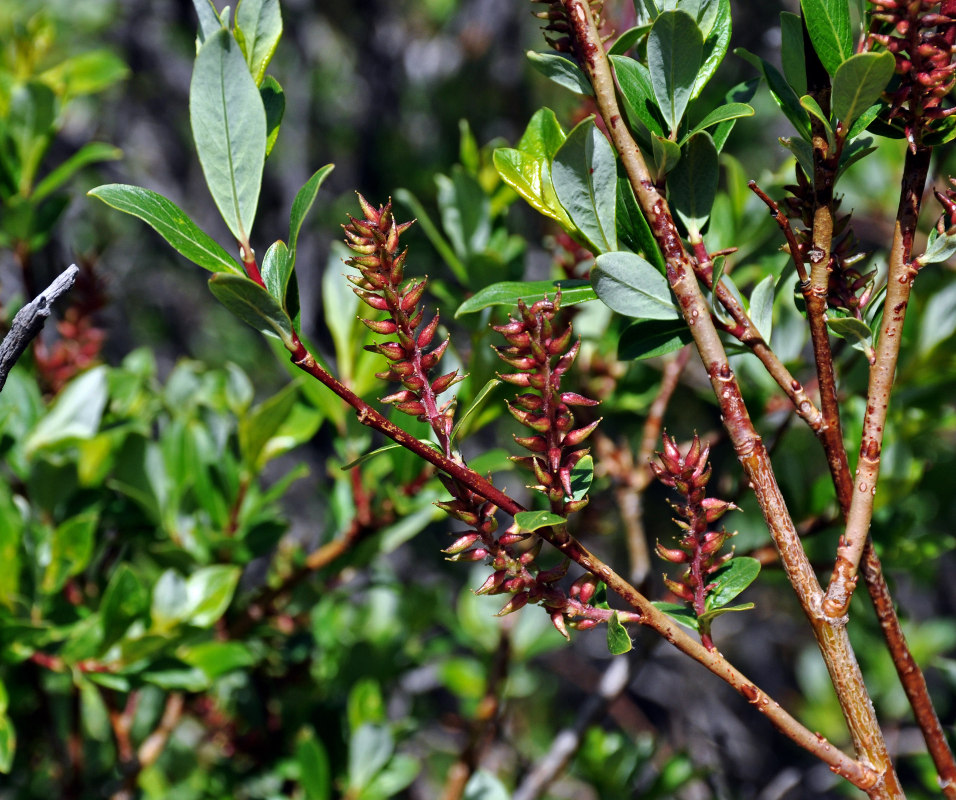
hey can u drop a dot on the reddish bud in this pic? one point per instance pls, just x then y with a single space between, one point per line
382 326
517 602
557 619
461 544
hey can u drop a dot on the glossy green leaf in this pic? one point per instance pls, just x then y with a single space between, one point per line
855 331
666 154
530 521
315 772
508 293
475 405
761 306
863 121
170 222
90 153
858 84
632 229
562 70
628 40
253 305
940 250
812 107
304 200
543 135
637 92
715 22
362 459
792 57
530 177
582 474
75 415
260 23
209 591
276 270
126 599
709 616
674 52
730 580
692 184
71 549
782 92
398 774
651 338
629 285
273 101
584 172
618 639
216 658
723 113
229 129
828 22
170 601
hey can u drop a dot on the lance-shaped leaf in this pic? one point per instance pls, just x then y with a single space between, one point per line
259 23
170 222
562 70
530 521
692 184
584 173
209 19
715 23
273 100
301 206
229 127
724 113
508 293
630 286
90 153
731 579
637 91
792 57
858 84
674 51
253 305
828 22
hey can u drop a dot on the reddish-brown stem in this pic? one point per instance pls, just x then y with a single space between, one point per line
249 263
899 280
831 635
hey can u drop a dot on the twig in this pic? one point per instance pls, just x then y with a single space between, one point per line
568 742
28 322
831 633
152 746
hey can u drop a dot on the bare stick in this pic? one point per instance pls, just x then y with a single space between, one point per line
28 322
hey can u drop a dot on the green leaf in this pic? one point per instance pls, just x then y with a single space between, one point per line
802 151
169 221
253 305
261 24
728 111
692 184
301 206
708 616
384 449
828 22
273 101
315 772
70 550
730 580
465 210
782 93
858 84
678 613
674 51
863 122
260 424
229 129
855 331
530 176
543 136
370 749
761 306
476 404
562 70
618 639
8 743
530 521
209 20
508 293
75 414
170 601
582 474
208 593
792 57
11 532
637 92
630 286
584 172
85 73
812 107
651 338
216 658
90 153
632 228
276 270
628 40
482 785
666 154
125 599
715 22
